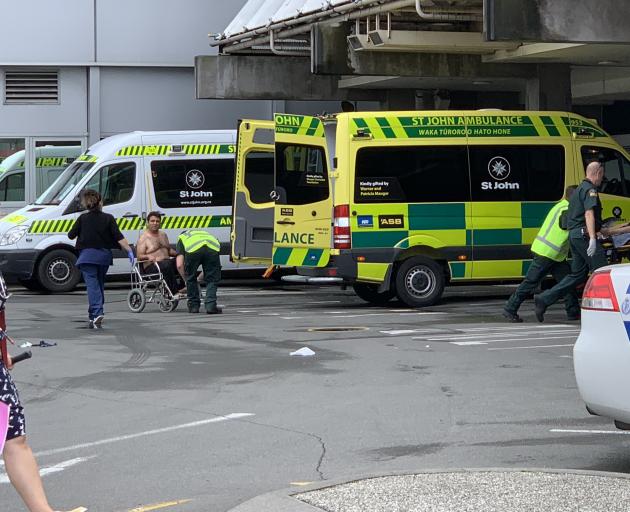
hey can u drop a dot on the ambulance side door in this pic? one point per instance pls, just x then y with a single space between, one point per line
303 195
252 214
193 190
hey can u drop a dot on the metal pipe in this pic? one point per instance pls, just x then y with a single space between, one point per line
298 52
450 15
287 23
264 39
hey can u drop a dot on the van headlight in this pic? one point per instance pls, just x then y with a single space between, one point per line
13 235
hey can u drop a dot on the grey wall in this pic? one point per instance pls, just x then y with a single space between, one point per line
163 99
67 118
158 32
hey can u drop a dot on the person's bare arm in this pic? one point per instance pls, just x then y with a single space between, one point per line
167 245
589 217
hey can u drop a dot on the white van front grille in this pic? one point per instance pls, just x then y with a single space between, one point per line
31 87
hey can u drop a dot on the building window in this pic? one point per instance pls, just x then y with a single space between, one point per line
31 87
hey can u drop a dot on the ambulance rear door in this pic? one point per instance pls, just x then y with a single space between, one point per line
253 208
303 193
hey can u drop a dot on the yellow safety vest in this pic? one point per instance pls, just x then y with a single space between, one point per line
552 241
195 239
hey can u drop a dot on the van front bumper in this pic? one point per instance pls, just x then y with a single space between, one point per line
18 264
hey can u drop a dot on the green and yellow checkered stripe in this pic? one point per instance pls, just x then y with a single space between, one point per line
87 158
299 125
442 225
300 257
459 126
53 161
56 226
188 149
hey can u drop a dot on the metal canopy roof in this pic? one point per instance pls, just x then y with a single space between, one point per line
263 13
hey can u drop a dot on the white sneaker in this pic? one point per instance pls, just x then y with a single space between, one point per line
98 322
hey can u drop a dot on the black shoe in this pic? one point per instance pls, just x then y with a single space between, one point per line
512 317
539 308
193 310
214 311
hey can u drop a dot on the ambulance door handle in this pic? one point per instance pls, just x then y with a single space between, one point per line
285 222
129 216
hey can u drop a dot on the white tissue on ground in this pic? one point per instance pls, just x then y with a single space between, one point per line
304 351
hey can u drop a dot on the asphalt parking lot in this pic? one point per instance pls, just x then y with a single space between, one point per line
200 413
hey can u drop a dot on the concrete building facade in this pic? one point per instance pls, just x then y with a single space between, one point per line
76 71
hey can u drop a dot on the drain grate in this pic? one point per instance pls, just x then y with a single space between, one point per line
337 329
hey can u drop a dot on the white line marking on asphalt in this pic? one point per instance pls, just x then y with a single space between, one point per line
466 343
512 335
568 357
49 470
400 331
200 423
579 431
522 327
533 346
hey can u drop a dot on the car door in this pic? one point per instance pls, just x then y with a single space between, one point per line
252 213
303 209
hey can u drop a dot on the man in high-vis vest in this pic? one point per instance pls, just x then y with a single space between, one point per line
550 250
197 247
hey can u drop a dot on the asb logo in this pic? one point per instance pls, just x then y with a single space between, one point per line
195 178
499 168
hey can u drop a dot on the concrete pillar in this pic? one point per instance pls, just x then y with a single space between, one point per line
551 90
94 104
400 99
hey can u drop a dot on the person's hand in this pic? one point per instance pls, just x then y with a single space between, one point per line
131 257
592 247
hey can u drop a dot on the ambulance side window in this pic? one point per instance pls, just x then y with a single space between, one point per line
114 182
517 173
617 169
193 183
301 174
412 174
12 187
259 179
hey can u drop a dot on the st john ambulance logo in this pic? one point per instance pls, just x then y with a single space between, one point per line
195 179
499 168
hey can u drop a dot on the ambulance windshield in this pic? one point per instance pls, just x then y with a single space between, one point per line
63 185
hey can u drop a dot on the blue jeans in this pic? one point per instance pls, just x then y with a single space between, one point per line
94 277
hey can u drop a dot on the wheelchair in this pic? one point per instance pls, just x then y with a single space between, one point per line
148 285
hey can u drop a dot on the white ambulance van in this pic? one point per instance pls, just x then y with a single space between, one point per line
186 175
16 189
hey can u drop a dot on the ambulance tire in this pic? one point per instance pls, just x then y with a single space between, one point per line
57 271
369 293
419 282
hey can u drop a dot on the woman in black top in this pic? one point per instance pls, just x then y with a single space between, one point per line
96 233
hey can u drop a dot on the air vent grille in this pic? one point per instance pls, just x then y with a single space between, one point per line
32 87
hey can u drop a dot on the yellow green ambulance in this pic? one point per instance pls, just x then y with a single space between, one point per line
404 203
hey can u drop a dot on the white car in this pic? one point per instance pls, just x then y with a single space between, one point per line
601 355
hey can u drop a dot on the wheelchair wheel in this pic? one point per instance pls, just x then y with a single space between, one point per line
168 306
136 300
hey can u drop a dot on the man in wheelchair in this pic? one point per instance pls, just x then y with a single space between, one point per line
156 254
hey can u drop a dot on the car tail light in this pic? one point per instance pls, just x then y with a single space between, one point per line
341 227
599 293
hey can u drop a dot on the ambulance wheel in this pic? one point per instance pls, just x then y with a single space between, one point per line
136 300
57 271
419 282
168 306
369 293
